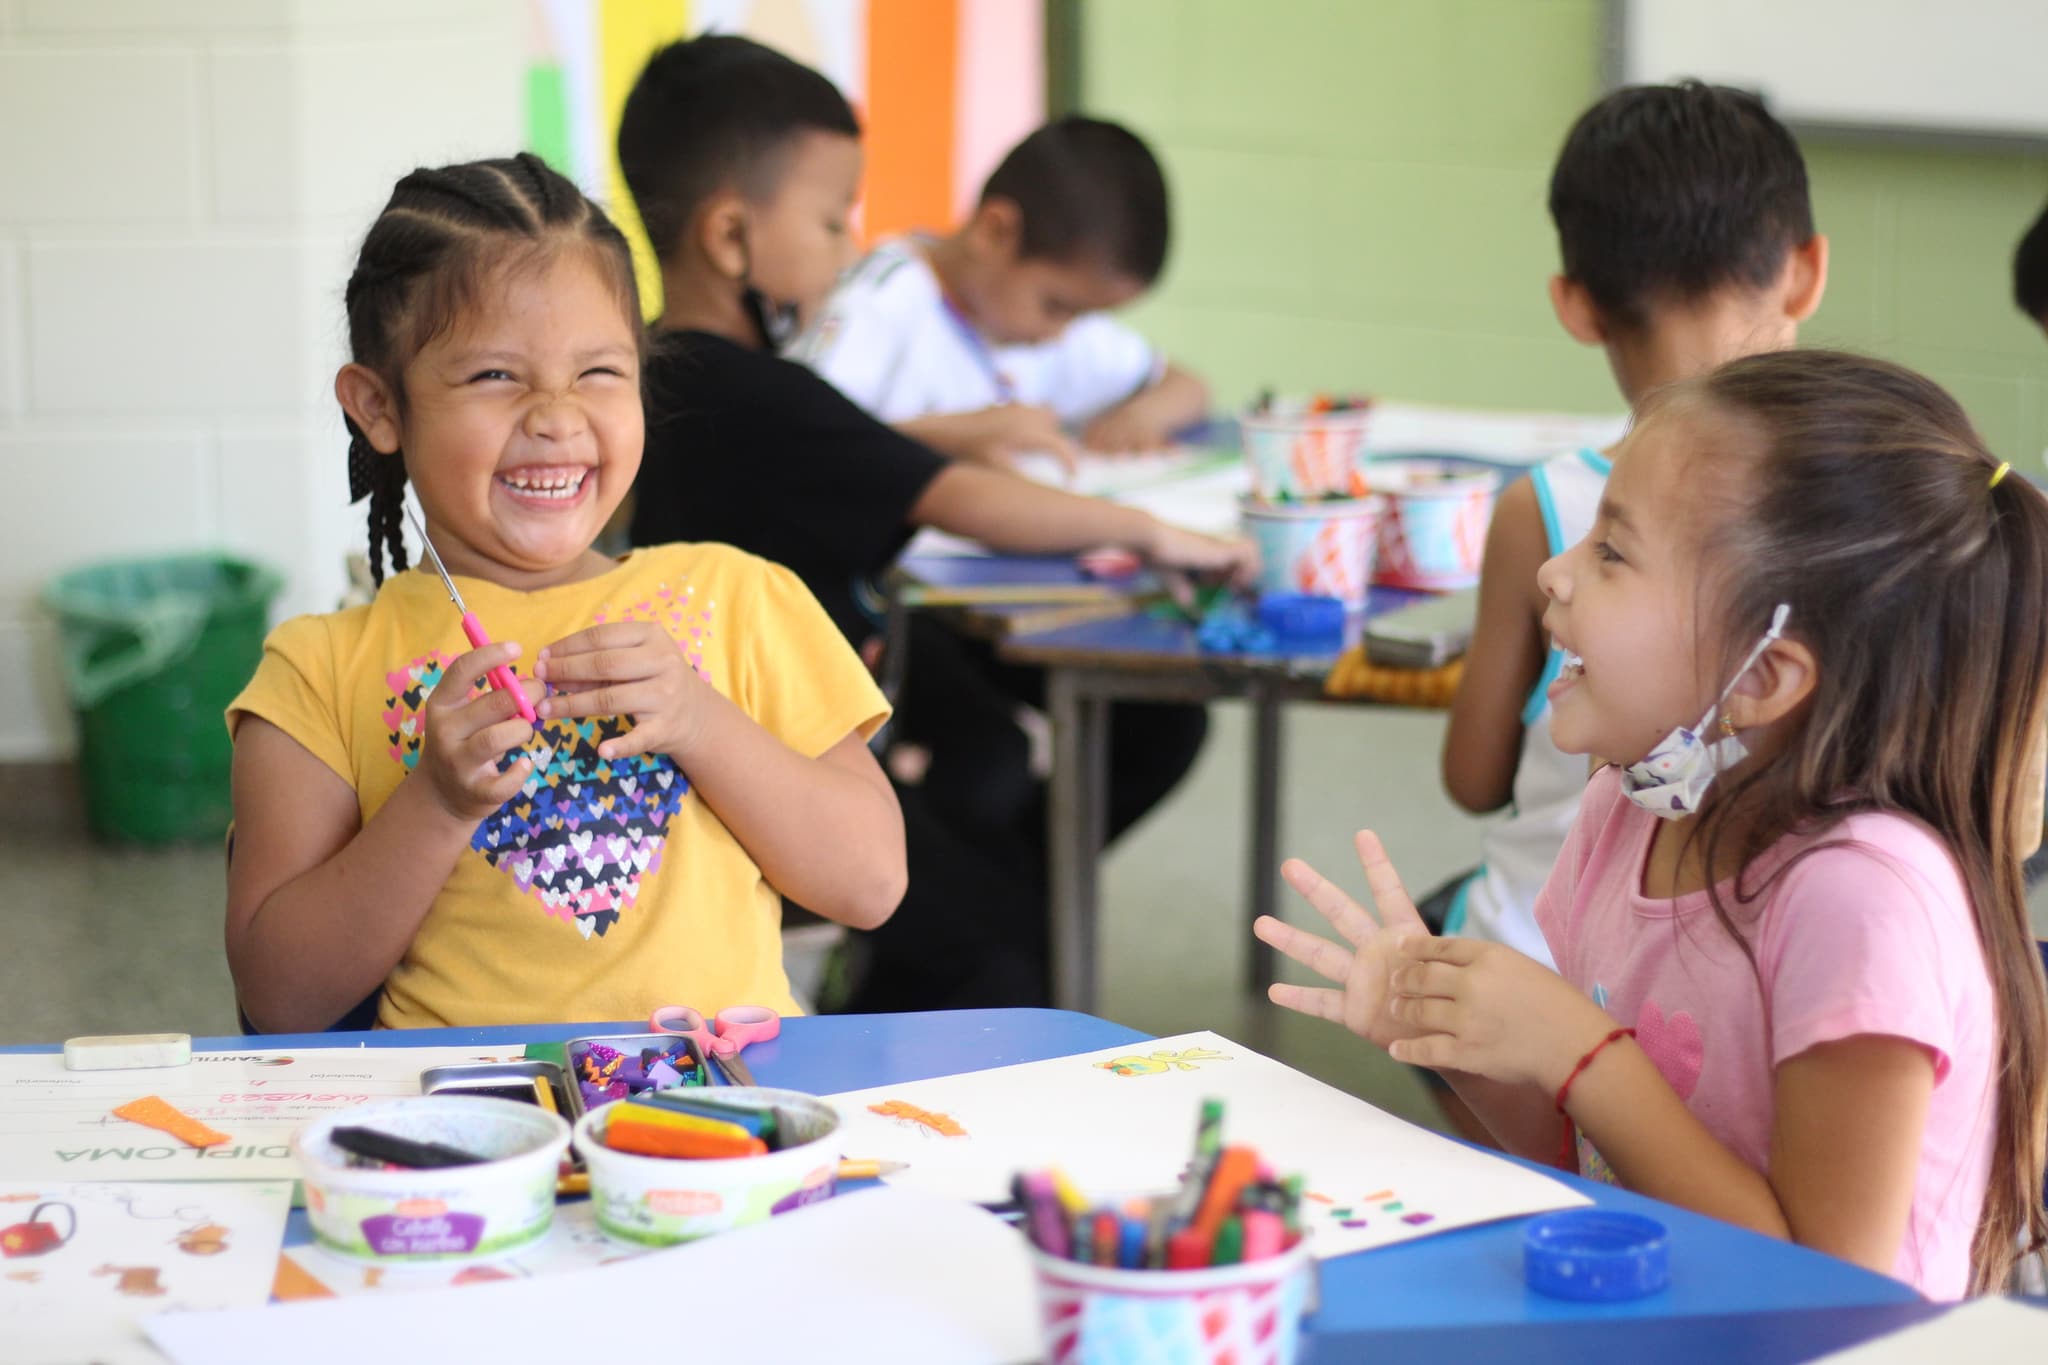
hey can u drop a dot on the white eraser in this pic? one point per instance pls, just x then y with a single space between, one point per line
115 1051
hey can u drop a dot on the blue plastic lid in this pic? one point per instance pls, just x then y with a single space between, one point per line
1300 621
1596 1254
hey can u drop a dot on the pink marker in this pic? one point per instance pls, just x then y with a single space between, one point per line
501 676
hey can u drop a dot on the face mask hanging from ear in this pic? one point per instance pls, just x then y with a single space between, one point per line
1672 779
776 321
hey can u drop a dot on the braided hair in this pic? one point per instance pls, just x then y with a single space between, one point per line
440 235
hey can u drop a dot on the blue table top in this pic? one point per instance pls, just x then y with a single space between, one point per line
1469 1279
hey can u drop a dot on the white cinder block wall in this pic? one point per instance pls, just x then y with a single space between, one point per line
182 186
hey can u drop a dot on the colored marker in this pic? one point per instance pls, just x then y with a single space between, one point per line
1187 1250
1264 1235
1130 1253
1069 1197
501 676
1234 1171
1229 1246
1109 1238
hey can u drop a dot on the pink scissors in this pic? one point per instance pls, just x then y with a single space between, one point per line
719 1041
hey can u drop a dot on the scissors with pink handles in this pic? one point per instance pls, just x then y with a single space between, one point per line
720 1039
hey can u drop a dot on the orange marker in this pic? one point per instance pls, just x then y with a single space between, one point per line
1235 1169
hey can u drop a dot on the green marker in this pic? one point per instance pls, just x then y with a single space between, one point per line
1229 1242
1209 1130
1290 1213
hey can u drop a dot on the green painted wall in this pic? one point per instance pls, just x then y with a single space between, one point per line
1359 196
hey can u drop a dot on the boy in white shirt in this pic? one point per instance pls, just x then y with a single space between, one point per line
993 341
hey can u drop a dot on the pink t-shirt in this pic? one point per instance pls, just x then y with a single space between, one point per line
1875 936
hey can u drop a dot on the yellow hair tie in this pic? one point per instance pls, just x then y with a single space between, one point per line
2004 467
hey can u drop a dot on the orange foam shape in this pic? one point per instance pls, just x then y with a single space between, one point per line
154 1111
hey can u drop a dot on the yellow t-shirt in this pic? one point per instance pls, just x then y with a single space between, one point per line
604 889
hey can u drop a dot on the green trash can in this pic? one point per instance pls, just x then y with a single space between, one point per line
154 650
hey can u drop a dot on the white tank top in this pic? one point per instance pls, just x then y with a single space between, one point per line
1498 901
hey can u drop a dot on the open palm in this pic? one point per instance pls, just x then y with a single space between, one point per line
1361 996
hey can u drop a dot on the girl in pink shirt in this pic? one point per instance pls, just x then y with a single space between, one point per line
1796 987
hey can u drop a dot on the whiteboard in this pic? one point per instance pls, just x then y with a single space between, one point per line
1962 67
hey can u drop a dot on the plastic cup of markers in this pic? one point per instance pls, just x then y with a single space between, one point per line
1245 1314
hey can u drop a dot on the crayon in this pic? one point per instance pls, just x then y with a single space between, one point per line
629 1111
647 1139
544 1095
399 1151
758 1121
869 1170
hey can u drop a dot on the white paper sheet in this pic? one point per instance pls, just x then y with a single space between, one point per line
1996 1330
1121 1122
58 1125
132 1250
574 1242
885 1275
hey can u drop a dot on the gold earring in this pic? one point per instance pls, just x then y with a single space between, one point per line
1727 727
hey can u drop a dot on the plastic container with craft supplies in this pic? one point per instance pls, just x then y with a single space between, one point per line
1323 549
662 1200
435 1215
617 1066
1434 533
1246 1314
1305 448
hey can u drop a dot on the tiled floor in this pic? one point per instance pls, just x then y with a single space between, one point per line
102 940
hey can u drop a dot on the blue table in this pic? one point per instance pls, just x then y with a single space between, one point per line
1457 1296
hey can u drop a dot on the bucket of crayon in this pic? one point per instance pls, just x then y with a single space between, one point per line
1434 533
1305 448
655 1201
1323 549
1247 1314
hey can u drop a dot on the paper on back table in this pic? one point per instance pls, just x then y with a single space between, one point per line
57 1124
882 1275
1121 1122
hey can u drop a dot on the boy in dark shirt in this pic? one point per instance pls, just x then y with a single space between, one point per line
745 166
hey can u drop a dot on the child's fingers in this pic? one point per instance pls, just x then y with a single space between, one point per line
611 663
611 635
1457 952
601 699
1389 897
1345 915
1437 1051
1425 1012
1319 1002
502 787
493 741
1440 979
1319 955
459 720
467 672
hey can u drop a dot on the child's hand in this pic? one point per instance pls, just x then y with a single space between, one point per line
1013 429
1487 1009
468 732
1363 998
625 668
1129 428
1171 547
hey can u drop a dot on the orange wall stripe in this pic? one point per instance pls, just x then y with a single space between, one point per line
913 46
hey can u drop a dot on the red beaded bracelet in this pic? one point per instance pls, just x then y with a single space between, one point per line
1565 1139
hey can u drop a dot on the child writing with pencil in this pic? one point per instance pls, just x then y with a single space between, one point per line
995 339
699 743
1796 987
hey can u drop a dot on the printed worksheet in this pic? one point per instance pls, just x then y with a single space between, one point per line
59 1125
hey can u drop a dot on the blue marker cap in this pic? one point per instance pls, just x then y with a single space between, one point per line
1598 1255
1303 623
